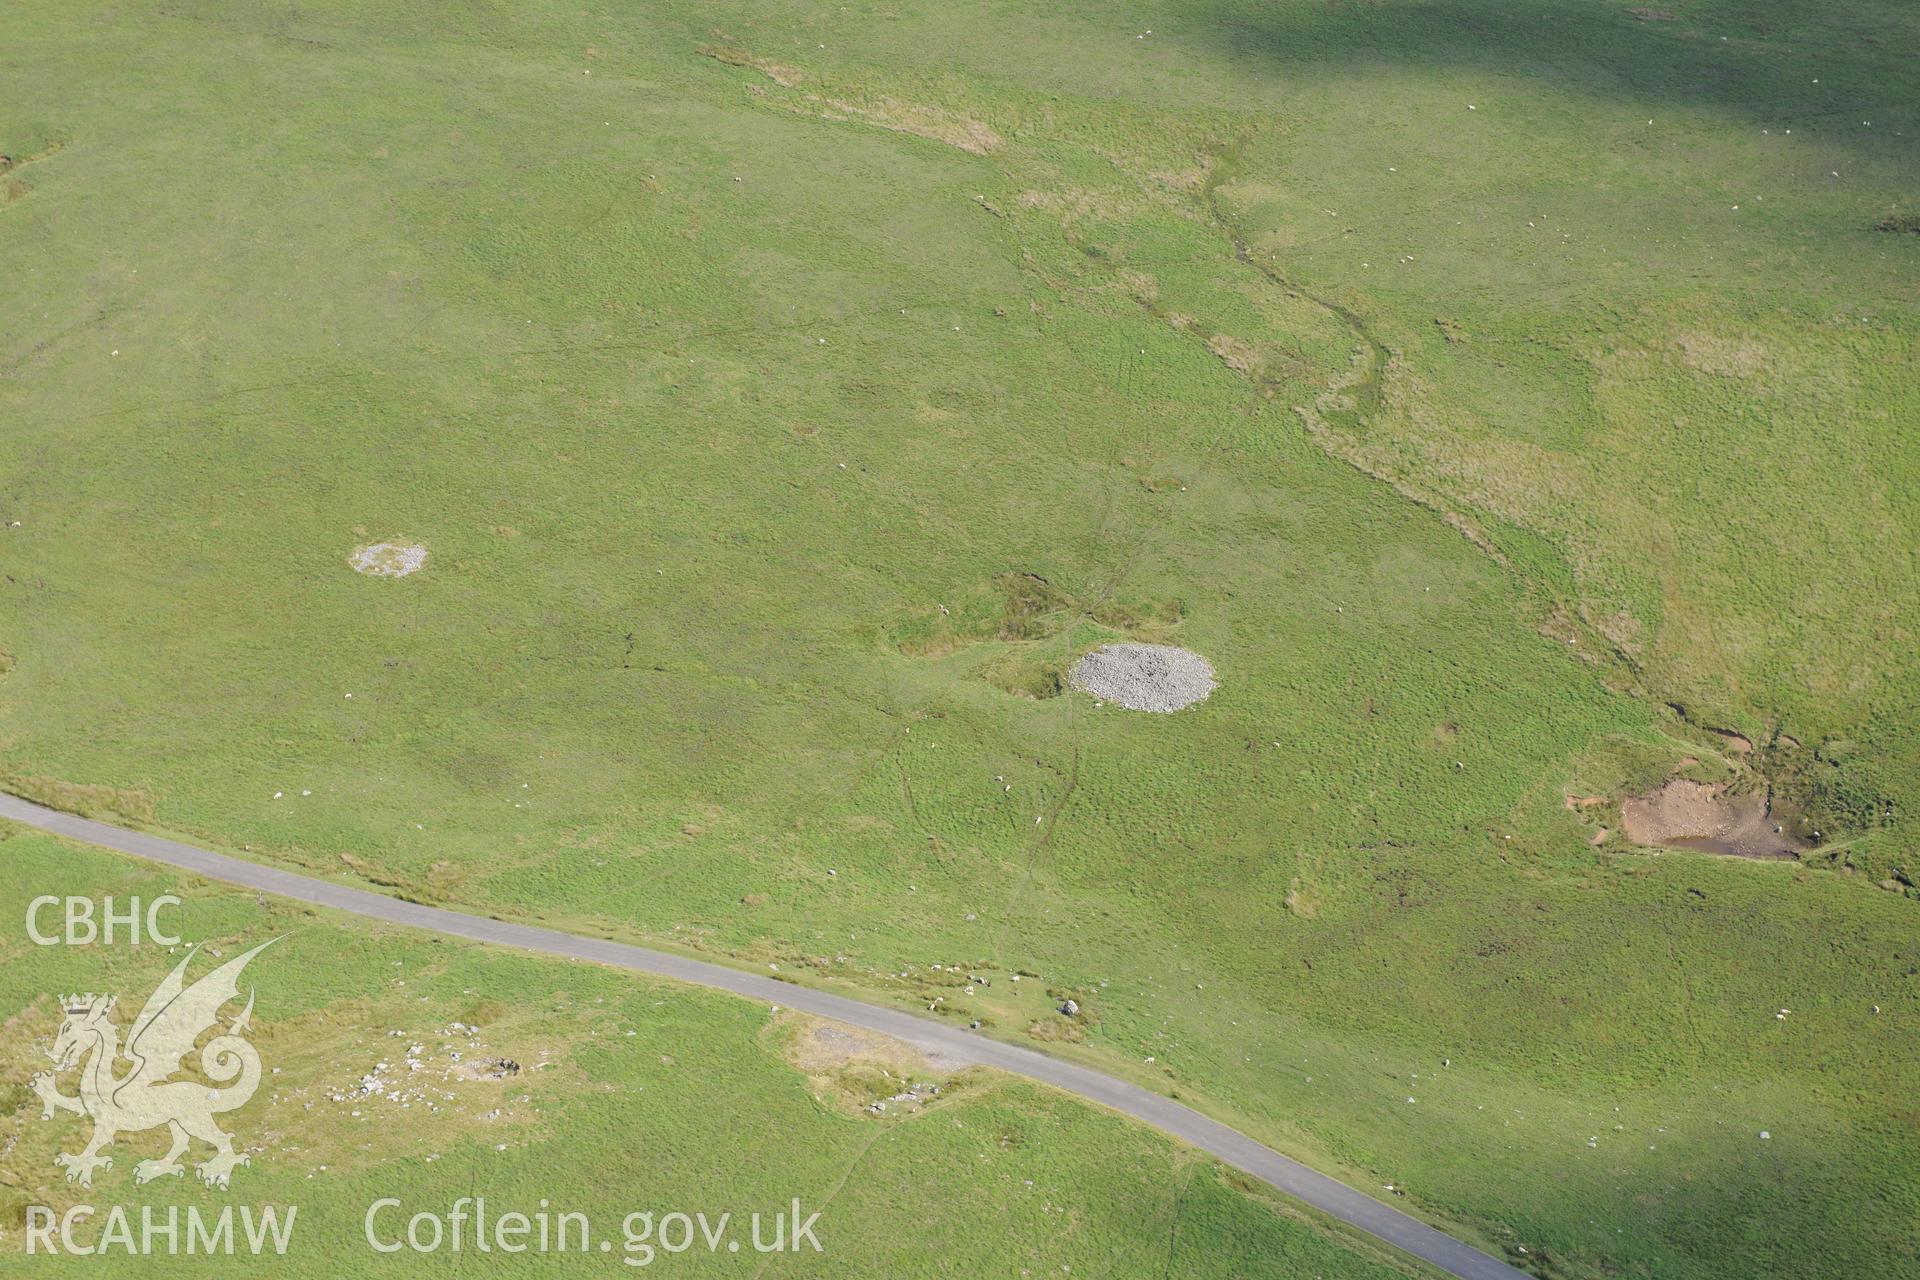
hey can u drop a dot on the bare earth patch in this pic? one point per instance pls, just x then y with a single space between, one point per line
779 72
819 1046
1684 814
863 1072
388 559
1735 740
935 123
1144 677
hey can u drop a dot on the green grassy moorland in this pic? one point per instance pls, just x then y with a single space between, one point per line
785 395
626 1096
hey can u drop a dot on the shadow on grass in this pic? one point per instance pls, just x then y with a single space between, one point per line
1773 59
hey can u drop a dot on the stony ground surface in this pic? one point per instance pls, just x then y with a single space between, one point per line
388 559
1144 677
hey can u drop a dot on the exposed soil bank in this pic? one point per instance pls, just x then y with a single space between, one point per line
1699 815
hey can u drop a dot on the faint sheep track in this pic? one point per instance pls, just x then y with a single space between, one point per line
1219 169
794 78
14 189
1365 386
840 1184
1049 819
1373 362
1173 1228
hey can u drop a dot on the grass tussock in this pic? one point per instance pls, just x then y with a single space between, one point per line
133 806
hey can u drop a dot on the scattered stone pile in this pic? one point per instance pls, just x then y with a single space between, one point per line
1144 677
388 559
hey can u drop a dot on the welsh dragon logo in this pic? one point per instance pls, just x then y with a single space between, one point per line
145 1096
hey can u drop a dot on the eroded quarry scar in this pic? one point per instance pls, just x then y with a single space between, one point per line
1684 814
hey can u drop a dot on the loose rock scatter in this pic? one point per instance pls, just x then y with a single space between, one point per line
388 559
1144 677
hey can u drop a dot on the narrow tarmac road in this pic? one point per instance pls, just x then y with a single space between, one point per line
1189 1126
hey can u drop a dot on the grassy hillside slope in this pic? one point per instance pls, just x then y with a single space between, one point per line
785 396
